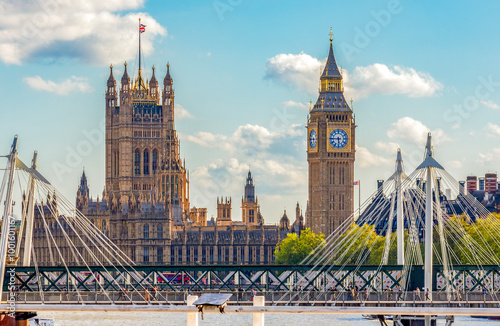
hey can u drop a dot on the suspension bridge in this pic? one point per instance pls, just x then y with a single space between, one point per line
430 264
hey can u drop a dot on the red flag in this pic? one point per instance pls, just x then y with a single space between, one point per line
355 183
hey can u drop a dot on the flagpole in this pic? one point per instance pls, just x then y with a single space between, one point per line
359 198
140 53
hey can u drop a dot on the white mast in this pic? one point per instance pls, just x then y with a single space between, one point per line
399 208
6 218
28 237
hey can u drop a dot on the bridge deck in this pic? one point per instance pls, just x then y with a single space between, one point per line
416 311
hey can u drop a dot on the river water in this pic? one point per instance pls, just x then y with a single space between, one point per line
152 319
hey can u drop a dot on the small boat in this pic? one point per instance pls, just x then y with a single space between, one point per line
41 322
374 317
487 317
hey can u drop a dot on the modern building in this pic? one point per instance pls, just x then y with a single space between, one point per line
471 183
490 183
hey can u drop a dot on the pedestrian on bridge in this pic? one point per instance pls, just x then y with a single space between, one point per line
155 289
427 295
417 294
399 295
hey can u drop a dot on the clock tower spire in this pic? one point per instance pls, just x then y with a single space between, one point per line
330 152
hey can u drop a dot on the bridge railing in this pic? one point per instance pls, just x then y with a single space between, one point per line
246 297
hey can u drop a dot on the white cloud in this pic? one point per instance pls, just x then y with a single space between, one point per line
299 105
493 128
91 31
414 131
70 85
456 164
300 71
209 140
365 158
249 140
380 79
490 104
388 148
226 176
492 155
276 157
182 113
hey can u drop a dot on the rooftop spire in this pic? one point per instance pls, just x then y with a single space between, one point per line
153 82
125 77
331 69
168 79
331 94
111 79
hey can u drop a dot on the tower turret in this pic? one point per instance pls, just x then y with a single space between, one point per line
153 86
125 78
284 222
111 95
82 195
249 204
249 189
111 82
168 98
125 89
167 81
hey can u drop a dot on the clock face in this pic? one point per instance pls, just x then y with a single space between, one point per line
338 138
313 139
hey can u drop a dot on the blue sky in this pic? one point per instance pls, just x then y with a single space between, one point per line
244 72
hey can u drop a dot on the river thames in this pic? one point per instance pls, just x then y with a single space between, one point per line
147 319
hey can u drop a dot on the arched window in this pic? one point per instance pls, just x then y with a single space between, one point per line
137 161
159 254
145 162
117 163
146 231
155 160
159 231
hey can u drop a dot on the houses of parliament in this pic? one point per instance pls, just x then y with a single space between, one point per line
145 208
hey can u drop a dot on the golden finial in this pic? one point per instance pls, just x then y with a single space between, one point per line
111 66
168 64
125 63
331 34
310 104
153 67
351 102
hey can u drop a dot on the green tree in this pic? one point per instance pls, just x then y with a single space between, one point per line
367 248
293 249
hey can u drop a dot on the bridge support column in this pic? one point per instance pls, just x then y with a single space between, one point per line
192 317
7 219
258 318
399 211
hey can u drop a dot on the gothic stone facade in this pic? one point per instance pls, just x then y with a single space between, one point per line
330 153
145 207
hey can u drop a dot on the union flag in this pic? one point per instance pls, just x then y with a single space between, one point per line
142 28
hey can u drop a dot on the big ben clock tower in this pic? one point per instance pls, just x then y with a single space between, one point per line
330 153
